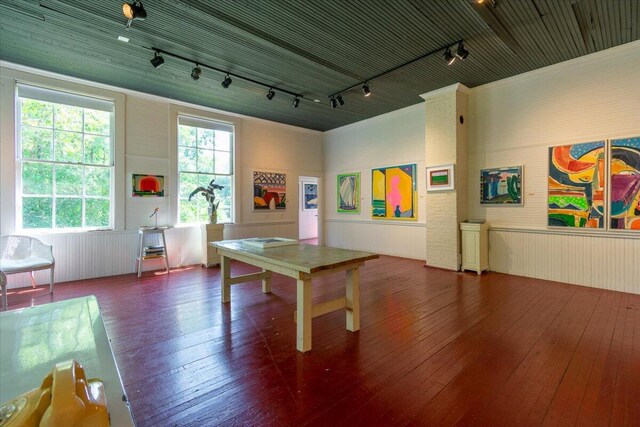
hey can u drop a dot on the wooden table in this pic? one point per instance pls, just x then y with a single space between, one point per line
303 263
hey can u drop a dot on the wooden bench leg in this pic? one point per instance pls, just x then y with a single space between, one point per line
225 275
33 280
353 300
51 282
303 323
266 284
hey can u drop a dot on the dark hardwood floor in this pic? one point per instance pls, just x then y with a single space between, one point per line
435 348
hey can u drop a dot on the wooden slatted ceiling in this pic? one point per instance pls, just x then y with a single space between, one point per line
310 47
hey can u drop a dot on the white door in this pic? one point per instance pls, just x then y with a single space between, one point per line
308 212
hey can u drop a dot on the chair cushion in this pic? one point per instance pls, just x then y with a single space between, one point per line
9 266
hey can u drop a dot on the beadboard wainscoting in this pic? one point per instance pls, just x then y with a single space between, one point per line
108 253
588 259
388 238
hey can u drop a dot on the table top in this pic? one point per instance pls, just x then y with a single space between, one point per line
159 229
305 258
33 340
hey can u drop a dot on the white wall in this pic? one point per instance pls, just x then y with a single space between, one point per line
512 122
391 139
146 127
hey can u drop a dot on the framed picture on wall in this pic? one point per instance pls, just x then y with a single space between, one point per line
576 185
394 193
269 191
440 178
348 192
501 186
310 196
145 185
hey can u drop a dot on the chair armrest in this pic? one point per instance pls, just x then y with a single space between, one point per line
43 250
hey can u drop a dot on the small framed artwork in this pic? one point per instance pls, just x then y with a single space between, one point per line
349 193
501 186
147 185
440 178
310 196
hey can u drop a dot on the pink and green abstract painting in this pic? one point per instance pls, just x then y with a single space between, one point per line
625 183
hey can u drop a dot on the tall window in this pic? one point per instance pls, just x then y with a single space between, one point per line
205 152
65 158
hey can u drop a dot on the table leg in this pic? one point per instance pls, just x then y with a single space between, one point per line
266 283
353 300
225 275
303 322
166 255
140 245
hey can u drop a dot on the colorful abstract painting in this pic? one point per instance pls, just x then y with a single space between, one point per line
269 190
394 193
576 185
147 185
501 186
310 196
349 193
625 184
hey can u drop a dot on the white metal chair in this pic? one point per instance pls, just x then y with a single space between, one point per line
21 254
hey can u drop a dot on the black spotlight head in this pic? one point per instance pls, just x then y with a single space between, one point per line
340 100
195 73
226 82
134 11
296 102
157 60
448 57
366 90
270 94
333 102
461 52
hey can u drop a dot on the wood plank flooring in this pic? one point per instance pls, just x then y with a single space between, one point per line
435 348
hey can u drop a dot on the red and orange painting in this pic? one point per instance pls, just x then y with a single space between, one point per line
147 185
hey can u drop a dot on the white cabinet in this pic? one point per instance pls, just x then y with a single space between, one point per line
475 246
211 233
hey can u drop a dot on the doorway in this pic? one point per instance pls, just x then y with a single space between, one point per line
308 210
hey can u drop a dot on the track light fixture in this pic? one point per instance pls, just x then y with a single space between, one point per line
134 12
270 94
157 60
448 57
490 2
461 52
366 90
195 73
340 100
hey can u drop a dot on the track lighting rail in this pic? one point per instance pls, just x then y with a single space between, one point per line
226 73
390 70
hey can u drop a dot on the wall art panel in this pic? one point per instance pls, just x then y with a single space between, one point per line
394 193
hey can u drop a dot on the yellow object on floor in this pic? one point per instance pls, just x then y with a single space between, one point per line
65 398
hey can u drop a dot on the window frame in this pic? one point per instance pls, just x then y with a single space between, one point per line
176 110
20 161
10 79
231 151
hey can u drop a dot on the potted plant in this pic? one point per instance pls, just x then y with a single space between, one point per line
209 194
